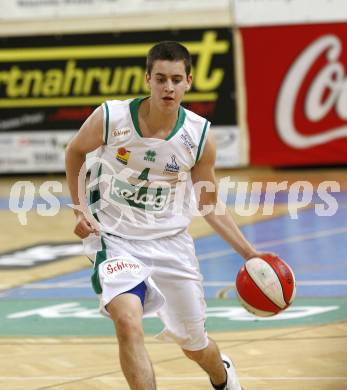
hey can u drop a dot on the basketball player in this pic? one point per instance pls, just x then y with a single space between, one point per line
151 154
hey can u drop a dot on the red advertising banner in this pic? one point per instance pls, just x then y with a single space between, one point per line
296 89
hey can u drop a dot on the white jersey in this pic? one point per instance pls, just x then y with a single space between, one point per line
141 187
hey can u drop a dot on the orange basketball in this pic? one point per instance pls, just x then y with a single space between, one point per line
265 286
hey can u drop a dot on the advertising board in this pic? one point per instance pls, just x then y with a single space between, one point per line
295 80
53 83
284 12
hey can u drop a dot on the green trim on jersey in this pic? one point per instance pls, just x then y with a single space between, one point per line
106 121
101 256
134 108
202 140
180 120
134 111
94 195
93 198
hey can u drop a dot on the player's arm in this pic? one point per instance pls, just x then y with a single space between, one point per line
223 224
88 138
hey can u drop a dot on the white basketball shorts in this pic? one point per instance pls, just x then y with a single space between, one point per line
170 269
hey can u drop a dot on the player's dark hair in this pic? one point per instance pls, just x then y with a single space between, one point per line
169 51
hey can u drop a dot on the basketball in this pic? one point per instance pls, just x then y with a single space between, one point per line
265 286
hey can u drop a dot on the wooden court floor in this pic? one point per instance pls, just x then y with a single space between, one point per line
281 359
294 358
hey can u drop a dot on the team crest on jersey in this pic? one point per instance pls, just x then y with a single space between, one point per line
150 155
123 155
172 167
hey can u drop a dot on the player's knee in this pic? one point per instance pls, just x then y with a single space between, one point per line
128 328
196 340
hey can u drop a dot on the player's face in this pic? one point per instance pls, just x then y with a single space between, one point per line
168 83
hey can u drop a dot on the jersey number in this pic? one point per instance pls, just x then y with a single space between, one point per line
144 174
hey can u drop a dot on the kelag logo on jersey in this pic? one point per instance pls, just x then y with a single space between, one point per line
149 198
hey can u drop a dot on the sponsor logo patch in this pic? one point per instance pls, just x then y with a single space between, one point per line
113 268
172 167
150 155
123 155
187 141
149 198
120 132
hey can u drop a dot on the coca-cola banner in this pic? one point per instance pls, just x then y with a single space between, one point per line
296 88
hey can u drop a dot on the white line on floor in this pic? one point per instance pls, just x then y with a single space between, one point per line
299 283
175 378
215 283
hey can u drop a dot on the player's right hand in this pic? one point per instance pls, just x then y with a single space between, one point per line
83 227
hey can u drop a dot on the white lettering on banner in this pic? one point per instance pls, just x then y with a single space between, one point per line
75 310
64 310
35 255
331 78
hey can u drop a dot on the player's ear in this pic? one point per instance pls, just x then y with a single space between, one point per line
189 85
148 77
